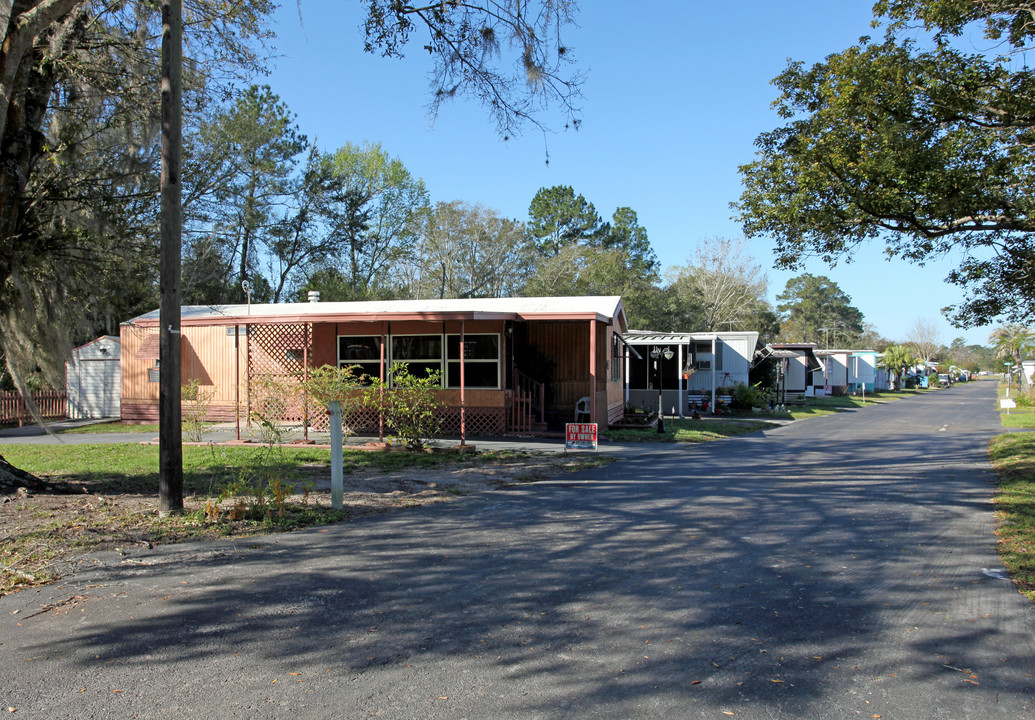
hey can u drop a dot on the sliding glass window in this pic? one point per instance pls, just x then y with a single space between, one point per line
421 353
481 361
361 350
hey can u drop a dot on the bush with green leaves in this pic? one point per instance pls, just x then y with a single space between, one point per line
1024 399
409 404
328 384
196 400
745 397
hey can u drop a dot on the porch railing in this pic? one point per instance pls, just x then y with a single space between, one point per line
527 405
13 408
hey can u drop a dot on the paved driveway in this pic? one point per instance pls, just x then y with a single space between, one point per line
839 567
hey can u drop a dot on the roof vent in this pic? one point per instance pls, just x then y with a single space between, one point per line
314 296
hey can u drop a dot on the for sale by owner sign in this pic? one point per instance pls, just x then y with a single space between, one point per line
580 436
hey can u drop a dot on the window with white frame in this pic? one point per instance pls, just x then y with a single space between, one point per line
363 351
481 361
421 353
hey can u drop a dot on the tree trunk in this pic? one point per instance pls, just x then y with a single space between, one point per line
12 479
26 85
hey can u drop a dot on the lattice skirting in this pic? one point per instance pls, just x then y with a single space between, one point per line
478 421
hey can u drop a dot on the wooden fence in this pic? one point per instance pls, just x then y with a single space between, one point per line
51 406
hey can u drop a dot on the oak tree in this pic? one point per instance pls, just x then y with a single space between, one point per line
79 121
917 142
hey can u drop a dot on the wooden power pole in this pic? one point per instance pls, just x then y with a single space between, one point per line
170 444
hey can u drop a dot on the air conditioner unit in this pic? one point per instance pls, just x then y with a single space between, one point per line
704 364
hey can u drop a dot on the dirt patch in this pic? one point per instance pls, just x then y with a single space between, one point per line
365 491
42 534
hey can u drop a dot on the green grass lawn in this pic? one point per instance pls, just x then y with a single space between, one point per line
689 431
1022 416
819 406
1013 455
128 467
704 429
1019 418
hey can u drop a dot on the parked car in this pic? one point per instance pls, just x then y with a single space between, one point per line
943 379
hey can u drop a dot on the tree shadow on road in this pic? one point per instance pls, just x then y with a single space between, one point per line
669 584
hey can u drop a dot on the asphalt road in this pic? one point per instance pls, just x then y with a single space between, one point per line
841 567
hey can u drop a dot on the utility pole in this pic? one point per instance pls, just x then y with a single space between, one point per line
170 444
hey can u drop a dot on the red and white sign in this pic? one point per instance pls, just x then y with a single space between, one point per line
580 436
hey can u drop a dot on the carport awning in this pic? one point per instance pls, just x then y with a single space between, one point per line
628 345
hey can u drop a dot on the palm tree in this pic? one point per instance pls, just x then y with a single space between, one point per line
897 358
1012 342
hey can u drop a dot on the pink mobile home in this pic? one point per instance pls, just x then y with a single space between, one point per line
526 362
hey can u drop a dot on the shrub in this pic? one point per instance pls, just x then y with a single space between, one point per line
408 404
1025 399
196 399
329 384
745 397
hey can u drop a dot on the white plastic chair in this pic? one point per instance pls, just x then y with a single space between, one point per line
582 409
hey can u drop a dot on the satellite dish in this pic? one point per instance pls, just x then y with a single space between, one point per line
246 286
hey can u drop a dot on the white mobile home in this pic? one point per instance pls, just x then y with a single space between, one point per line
835 370
801 371
862 371
685 369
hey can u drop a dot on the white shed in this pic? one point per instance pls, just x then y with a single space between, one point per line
93 379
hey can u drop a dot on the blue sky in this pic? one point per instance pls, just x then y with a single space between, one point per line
675 96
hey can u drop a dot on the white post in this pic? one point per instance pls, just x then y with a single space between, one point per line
337 456
626 353
715 368
682 382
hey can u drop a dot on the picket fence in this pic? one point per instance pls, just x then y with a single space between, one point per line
51 406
